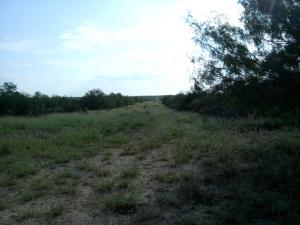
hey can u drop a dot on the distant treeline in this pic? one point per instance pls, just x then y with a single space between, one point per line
240 99
13 102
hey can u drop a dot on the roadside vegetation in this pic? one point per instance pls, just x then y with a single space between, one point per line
162 167
250 69
229 155
15 103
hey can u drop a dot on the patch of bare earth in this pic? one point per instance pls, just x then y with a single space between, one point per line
72 197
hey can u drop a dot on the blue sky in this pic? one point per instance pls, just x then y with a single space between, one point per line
135 47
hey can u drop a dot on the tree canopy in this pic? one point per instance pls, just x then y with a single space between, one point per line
13 102
261 54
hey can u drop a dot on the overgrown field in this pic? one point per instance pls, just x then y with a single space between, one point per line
147 164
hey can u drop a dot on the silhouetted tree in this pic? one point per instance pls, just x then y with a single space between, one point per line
8 88
256 65
94 99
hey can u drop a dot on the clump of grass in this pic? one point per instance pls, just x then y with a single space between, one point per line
22 168
141 156
65 176
182 155
166 178
129 171
4 149
166 199
2 203
8 181
66 182
125 203
25 215
117 140
129 150
55 212
148 143
122 184
106 155
28 196
70 188
106 185
38 188
188 188
145 214
40 184
188 175
110 185
90 167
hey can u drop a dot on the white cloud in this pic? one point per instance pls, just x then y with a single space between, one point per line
7 44
85 38
152 52
22 64
149 55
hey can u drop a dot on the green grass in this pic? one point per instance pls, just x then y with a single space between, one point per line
28 196
259 164
245 171
116 184
55 212
117 140
145 214
22 169
166 178
2 203
69 188
96 169
25 215
32 143
37 188
129 171
124 203
106 185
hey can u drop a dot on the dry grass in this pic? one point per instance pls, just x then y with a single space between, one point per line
146 164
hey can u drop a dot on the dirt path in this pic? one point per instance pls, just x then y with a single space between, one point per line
135 183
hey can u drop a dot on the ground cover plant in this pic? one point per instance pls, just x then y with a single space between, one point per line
147 164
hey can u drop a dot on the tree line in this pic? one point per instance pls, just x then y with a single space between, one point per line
13 102
251 69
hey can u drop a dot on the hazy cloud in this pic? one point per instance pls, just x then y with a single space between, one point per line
16 45
22 64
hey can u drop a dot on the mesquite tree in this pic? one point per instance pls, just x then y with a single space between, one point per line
261 54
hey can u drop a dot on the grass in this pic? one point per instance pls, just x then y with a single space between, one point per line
28 196
22 169
117 140
65 176
182 154
241 171
2 203
122 203
25 215
129 171
145 214
37 188
166 178
96 169
66 182
116 184
32 143
106 185
55 212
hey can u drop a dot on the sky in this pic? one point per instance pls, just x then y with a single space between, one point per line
134 47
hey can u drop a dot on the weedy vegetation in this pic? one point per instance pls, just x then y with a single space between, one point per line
147 164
